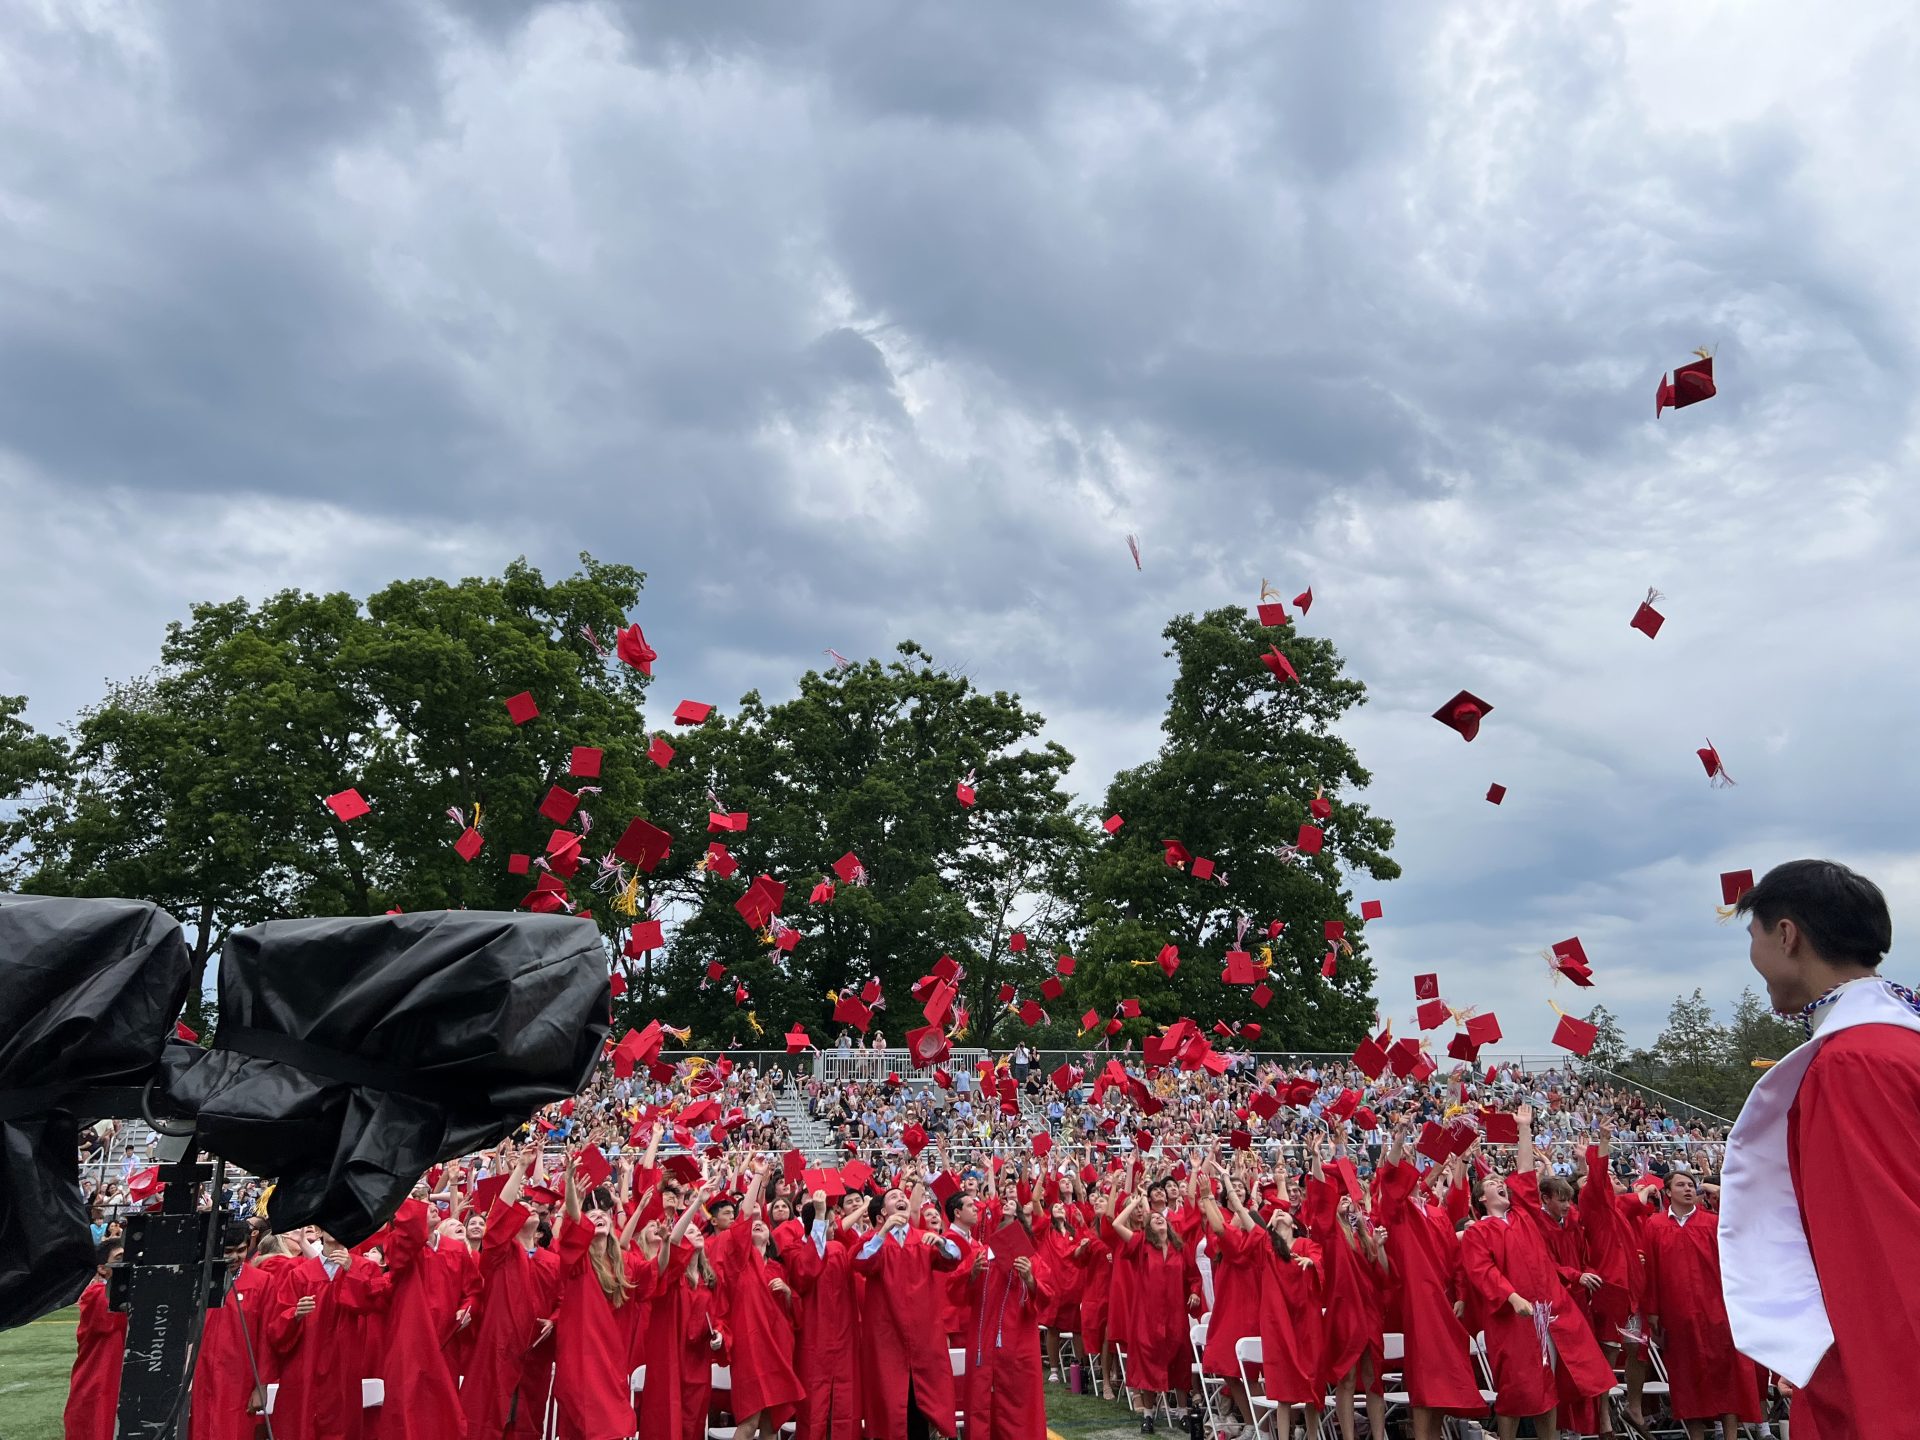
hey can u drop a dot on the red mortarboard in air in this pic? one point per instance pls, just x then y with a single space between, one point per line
632 648
563 852
1646 619
1432 1014
1710 762
1366 1119
1691 383
683 1168
730 822
1065 1078
1434 1143
943 1079
469 843
1369 1059
847 867
1575 1034
1112 823
822 894
1261 995
616 985
761 902
1130 1008
1240 969
518 864
644 936
1300 1092
1239 1140
1499 1127
785 938
1403 1056
691 712
520 708
1281 667
585 764
715 970
1017 942
660 752
1175 853
914 1139
1371 910
928 1045
1734 884
1461 1047
1031 1013
1274 927
347 805
1329 964
1273 615
1571 952
1303 602
1426 987
1264 1103
1052 988
559 805
181 1032
720 860
1168 959
1496 793
1006 992
963 792
1320 807
870 993
1342 1105
1463 713
1064 964
643 844
486 1192
848 1010
1310 840
592 1167
856 1174
1334 929
1202 868
1483 1029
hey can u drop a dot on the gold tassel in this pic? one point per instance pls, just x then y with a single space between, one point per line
754 1022
476 814
629 901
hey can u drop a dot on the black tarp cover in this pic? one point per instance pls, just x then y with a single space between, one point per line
89 992
354 1054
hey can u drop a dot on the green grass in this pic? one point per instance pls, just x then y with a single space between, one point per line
1081 1417
35 1361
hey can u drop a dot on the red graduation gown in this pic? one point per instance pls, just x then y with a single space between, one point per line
1236 1305
905 1352
1158 1281
704 1320
960 1293
535 1387
1350 1286
1005 1397
1503 1257
1425 1256
1288 1299
1708 1376
222 1377
422 1402
1853 1149
825 1349
1612 1251
505 1322
93 1398
320 1354
590 1344
659 1340
763 1377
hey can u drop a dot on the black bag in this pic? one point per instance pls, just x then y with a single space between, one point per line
352 1055
89 991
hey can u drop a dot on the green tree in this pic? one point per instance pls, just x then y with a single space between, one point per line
1754 1032
1610 1043
33 770
1243 757
865 760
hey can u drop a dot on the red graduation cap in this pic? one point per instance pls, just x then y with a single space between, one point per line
1310 840
731 822
691 712
821 894
1483 1029
1499 1127
643 844
1064 964
928 1045
1369 1059
1303 602
1031 1013
856 1175
1710 762
1461 1047
1065 1078
761 902
1111 823
1343 1104
963 792
1168 959
1575 1034
1272 614
1202 868
644 936
1176 854
1434 1143
486 1192
1130 1008
1426 987
1017 942
181 1031
1691 383
914 1139
1432 1015
1006 992
797 1039
1260 995
1239 1140
1320 807
848 1010
1281 667
1334 929
720 860
659 751
632 648
1300 1092
1240 969
469 843
616 985
592 1168
785 938
683 1168
1646 619
1264 1104
1734 884
943 1079
870 993
847 867
559 805
1329 964
347 805
939 1004
1403 1056
1052 988
585 763
520 708
1463 713
1496 793
1571 952
519 864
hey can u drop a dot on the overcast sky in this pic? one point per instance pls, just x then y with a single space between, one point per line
849 321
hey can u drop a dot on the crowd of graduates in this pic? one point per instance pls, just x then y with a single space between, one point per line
587 1282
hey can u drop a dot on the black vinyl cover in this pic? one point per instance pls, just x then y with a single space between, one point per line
89 991
354 1054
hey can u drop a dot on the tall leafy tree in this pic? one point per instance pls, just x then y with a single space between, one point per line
864 761
33 769
1609 1041
1244 756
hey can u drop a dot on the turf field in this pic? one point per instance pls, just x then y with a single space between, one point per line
35 1361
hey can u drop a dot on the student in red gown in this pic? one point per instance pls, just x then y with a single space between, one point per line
1286 1274
961 1285
1064 1252
1236 1294
1424 1255
590 1339
1539 1346
1820 1199
706 1340
659 1339
820 1269
1164 1286
1707 1378
1005 1397
422 1401
1353 1268
224 1370
765 1389
907 1362
534 1389
93 1398
312 1331
508 1315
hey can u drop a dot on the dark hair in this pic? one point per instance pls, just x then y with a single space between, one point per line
951 1205
104 1252
1841 912
724 1202
876 1207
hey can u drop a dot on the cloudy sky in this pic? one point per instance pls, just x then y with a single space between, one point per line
851 320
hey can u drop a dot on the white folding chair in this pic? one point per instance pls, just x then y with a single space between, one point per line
1483 1367
1211 1386
958 1360
722 1377
1248 1350
637 1381
1393 1361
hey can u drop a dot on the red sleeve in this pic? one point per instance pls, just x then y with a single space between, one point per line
503 1228
804 1265
363 1287
406 1236
1524 1191
573 1242
1859 1192
1481 1267
1395 1188
1460 1201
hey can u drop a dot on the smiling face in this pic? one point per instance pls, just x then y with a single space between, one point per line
1493 1194
1774 952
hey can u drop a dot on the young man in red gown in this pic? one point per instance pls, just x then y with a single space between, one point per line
1820 1194
911 1371
1707 1378
93 1398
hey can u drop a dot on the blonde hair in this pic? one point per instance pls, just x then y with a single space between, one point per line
610 1266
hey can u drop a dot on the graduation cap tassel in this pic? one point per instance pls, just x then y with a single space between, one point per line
629 901
586 632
